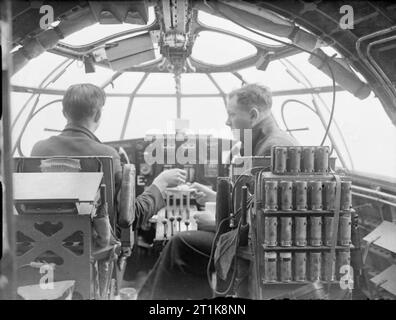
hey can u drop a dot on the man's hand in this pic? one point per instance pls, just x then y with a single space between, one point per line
170 178
205 222
203 193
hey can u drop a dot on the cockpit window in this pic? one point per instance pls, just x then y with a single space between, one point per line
140 102
151 116
212 21
76 69
189 84
37 69
158 83
218 53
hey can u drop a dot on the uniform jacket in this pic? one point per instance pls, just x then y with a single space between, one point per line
267 134
78 141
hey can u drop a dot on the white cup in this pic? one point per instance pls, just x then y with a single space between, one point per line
210 207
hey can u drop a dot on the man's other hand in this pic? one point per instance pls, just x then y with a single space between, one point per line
170 178
205 222
203 193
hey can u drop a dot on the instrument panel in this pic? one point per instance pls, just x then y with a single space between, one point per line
202 156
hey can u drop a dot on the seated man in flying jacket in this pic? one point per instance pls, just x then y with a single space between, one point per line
180 272
82 107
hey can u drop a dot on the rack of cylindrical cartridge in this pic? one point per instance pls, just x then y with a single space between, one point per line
299 205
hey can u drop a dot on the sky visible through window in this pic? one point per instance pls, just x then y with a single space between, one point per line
367 130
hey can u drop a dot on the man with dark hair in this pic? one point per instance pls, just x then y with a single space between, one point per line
180 272
82 107
82 101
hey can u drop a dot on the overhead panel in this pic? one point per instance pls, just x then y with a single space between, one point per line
111 12
130 52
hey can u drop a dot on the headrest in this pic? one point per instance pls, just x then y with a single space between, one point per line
60 165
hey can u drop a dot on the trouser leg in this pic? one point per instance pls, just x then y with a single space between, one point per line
180 272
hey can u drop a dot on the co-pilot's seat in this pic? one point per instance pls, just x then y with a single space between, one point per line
62 203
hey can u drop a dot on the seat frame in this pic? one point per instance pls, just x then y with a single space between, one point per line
82 267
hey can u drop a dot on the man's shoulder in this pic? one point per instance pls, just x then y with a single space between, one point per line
64 145
106 149
41 146
280 138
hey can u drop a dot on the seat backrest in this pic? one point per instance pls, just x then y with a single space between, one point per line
88 164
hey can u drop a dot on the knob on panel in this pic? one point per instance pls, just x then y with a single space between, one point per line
145 169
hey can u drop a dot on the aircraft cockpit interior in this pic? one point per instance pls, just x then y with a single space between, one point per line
178 149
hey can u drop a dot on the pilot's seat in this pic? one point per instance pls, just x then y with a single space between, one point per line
67 225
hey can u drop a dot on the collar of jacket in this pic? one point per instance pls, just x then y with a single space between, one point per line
82 130
263 129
